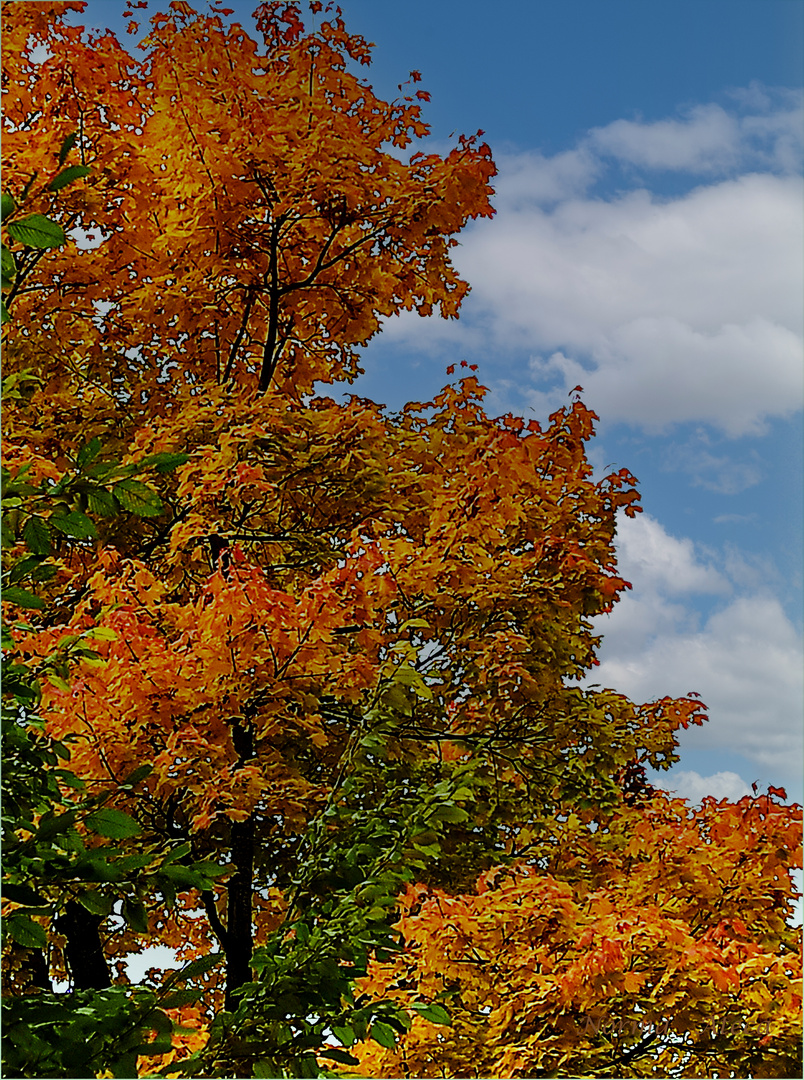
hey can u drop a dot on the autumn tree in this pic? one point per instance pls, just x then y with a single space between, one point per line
653 942
289 661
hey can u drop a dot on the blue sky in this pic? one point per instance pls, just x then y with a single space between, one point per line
647 245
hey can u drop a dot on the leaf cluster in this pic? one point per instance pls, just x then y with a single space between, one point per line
33 233
90 1031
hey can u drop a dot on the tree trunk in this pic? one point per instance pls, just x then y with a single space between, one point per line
84 950
238 925
238 922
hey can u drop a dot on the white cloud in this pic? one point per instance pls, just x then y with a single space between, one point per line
690 785
665 572
656 562
666 310
745 660
687 310
707 138
531 178
656 372
735 519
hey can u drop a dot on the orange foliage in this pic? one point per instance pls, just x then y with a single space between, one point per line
655 944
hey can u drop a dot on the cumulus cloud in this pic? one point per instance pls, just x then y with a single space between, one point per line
532 178
707 138
744 659
665 309
657 562
767 134
688 784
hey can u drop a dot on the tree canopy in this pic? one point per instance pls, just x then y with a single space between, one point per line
294 683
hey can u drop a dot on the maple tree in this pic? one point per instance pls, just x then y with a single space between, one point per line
286 668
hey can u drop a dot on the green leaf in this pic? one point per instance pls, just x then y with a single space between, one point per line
74 523
196 967
177 853
183 875
100 469
337 1054
100 501
105 633
88 452
35 230
29 185
436 1014
22 569
124 1067
96 902
115 824
158 1046
31 567
135 915
449 813
71 841
208 869
23 894
177 998
7 205
138 498
345 1034
36 534
67 146
430 851
382 1033
66 176
26 932
69 779
141 771
22 598
52 824
95 867
264 1069
164 463
133 862
9 266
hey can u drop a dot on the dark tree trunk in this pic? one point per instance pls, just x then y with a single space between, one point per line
238 922
84 950
238 925
269 353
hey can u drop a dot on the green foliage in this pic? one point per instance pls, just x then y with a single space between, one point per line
55 835
42 516
82 1033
